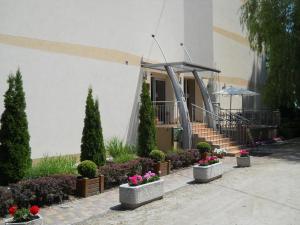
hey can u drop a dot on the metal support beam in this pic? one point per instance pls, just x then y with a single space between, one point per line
183 110
206 99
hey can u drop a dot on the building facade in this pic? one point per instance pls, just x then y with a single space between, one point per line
63 47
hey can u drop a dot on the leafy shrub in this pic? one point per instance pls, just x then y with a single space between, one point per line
157 155
119 151
146 129
87 169
92 145
183 158
6 200
124 158
117 173
53 165
14 135
203 147
116 147
44 190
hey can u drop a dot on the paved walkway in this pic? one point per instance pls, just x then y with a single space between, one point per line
82 209
268 193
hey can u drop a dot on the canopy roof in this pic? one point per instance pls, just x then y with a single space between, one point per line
236 91
179 67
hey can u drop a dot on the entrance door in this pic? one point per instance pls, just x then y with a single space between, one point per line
189 92
158 96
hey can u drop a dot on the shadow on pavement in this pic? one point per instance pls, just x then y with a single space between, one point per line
287 150
118 208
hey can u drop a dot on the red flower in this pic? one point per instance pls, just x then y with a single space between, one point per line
12 210
34 209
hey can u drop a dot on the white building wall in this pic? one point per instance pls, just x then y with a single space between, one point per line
57 77
240 67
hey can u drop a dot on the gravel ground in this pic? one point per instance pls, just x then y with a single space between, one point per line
266 193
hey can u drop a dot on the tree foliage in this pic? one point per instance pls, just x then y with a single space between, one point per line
146 130
92 145
273 29
14 136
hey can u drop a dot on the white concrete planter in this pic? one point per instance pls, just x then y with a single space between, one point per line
134 196
243 161
204 174
38 221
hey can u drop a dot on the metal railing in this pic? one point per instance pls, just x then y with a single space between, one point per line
166 112
233 127
261 117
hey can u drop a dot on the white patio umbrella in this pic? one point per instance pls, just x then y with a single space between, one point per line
230 91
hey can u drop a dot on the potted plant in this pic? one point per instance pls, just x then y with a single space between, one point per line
204 148
88 183
244 159
140 190
220 152
208 169
161 166
24 216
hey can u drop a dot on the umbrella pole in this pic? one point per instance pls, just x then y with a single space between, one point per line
230 107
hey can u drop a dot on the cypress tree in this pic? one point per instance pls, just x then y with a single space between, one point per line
100 156
146 130
14 136
92 145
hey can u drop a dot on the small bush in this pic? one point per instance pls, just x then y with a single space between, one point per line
117 173
157 155
124 158
116 147
41 191
6 200
183 158
87 169
203 147
52 165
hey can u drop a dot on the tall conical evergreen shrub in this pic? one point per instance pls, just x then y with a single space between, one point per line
92 145
14 136
146 130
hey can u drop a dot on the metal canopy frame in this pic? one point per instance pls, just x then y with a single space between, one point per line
185 67
179 67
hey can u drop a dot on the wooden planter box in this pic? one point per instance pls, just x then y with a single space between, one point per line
38 221
162 168
87 187
132 197
243 161
204 174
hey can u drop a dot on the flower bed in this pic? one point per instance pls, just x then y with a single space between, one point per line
117 173
24 216
141 190
40 191
207 170
244 159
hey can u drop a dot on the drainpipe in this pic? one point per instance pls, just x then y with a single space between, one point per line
183 110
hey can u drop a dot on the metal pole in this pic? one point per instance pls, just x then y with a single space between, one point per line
183 110
206 98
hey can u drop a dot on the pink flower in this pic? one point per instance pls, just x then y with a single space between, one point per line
139 178
244 152
133 180
148 175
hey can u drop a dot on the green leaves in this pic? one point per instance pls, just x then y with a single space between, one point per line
92 145
14 136
273 29
146 130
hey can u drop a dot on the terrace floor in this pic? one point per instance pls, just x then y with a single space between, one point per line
266 193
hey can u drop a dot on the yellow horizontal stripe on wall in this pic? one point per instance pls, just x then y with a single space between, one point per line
72 49
231 35
231 80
